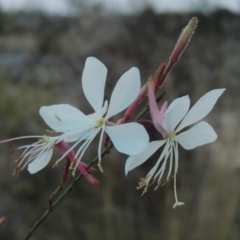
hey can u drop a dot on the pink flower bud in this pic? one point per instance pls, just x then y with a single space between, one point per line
63 148
3 221
184 39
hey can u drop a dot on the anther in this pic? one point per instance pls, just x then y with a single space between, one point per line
56 163
100 167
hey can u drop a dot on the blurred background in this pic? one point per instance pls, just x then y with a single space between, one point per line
43 47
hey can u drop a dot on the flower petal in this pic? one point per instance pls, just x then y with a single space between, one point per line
128 138
175 113
40 162
64 117
93 82
200 134
156 114
125 92
136 160
201 108
95 115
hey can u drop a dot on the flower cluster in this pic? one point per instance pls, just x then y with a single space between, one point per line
71 125
73 131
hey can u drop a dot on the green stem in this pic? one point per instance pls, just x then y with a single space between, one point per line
62 196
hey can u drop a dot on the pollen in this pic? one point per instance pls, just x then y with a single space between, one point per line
74 172
45 139
143 184
100 167
100 122
56 163
172 135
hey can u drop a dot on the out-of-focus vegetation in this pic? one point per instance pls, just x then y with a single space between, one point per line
19 104
41 60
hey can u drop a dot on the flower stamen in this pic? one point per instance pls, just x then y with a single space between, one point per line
56 163
100 167
159 184
143 183
100 122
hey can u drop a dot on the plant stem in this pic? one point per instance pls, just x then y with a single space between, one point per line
62 196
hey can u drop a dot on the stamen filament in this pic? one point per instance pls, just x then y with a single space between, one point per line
100 143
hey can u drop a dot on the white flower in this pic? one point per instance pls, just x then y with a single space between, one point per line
177 117
128 138
36 155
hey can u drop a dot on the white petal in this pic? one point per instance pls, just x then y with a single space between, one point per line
64 117
95 116
41 162
202 107
76 135
136 160
93 82
128 138
125 92
200 134
175 113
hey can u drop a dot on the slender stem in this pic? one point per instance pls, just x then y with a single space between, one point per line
54 205
61 197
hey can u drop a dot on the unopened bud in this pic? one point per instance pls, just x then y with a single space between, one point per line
184 39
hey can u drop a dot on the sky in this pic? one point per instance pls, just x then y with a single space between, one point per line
63 7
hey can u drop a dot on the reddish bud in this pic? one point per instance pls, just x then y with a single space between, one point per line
180 46
63 147
184 39
3 221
